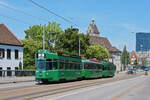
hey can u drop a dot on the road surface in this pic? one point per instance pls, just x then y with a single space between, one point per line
131 89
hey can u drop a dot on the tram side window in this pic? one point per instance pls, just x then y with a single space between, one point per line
100 67
74 65
54 62
105 68
49 64
77 65
89 66
93 66
86 66
62 66
66 65
110 67
96 66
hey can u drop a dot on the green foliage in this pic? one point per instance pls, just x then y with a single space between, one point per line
144 62
125 57
68 42
30 48
36 31
121 69
97 51
20 65
33 41
135 62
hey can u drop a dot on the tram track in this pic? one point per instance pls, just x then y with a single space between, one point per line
49 91
17 88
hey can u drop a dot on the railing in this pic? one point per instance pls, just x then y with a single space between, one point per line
4 73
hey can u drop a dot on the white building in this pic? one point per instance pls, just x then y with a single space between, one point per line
116 59
11 50
141 55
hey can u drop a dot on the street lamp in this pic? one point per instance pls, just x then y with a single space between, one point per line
43 38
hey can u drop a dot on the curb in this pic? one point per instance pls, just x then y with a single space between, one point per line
16 82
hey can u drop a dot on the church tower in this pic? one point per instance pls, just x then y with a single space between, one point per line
92 29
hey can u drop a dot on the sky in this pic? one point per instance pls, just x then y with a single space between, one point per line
118 20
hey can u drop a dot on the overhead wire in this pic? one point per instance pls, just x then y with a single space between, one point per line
12 18
42 7
18 10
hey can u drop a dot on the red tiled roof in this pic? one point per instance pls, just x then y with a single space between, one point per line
7 37
104 42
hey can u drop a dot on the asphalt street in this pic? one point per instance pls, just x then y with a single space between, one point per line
131 89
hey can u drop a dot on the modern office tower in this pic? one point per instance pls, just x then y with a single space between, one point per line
142 41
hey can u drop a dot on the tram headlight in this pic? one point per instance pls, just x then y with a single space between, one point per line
41 56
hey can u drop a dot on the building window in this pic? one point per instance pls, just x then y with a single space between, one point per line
1 71
8 54
16 54
2 53
9 73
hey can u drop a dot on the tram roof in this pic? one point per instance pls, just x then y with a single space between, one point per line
88 61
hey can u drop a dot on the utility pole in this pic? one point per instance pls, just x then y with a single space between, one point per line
79 46
43 39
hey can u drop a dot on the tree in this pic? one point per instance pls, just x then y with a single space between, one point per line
20 66
97 51
144 62
33 41
125 57
36 31
29 50
68 42
135 62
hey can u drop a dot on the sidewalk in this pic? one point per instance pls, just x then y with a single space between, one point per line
7 80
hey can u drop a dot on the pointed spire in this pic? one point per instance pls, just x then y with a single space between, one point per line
92 29
93 21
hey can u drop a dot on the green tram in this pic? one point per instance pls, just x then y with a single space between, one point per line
109 69
55 67
91 69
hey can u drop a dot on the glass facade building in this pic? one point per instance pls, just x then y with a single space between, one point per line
142 41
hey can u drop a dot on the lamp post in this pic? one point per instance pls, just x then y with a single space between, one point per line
79 46
141 52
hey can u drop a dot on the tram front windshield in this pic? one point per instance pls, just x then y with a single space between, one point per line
41 65
48 64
